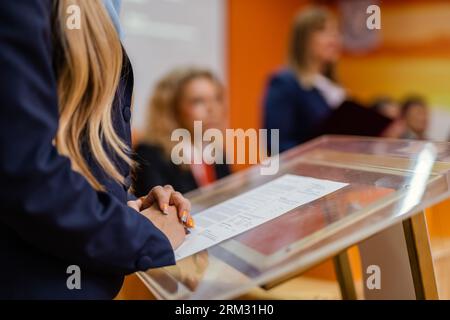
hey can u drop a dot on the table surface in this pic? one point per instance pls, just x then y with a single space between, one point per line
388 181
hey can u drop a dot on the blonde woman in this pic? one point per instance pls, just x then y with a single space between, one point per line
66 230
182 96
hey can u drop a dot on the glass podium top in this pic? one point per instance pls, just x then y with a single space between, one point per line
388 181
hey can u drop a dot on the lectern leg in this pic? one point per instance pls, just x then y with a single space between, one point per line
400 257
344 276
420 258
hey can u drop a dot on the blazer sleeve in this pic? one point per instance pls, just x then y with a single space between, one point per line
42 199
280 110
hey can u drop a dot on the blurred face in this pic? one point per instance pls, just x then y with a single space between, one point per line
417 118
325 45
201 100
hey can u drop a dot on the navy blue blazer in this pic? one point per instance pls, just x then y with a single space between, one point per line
297 112
50 217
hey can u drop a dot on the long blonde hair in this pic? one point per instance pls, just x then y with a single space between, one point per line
88 74
162 116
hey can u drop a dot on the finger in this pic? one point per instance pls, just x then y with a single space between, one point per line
138 204
132 204
135 204
190 223
147 201
162 198
182 204
169 188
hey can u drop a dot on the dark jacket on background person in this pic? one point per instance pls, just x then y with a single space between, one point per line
295 111
155 169
50 217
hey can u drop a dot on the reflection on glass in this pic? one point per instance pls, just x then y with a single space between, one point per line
388 181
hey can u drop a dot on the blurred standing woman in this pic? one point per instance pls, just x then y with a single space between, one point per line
181 97
300 97
64 159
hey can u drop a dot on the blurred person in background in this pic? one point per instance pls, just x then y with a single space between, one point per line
302 96
387 107
415 114
181 97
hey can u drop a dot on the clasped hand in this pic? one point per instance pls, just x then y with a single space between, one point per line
168 210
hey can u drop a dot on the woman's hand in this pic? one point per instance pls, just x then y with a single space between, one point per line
169 224
168 210
164 197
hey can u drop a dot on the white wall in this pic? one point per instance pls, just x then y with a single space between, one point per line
162 34
439 126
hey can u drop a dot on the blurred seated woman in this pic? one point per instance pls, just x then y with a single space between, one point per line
181 97
302 96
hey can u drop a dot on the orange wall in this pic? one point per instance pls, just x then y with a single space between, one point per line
257 38
258 32
438 218
412 57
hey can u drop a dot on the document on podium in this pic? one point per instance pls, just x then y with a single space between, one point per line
251 209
